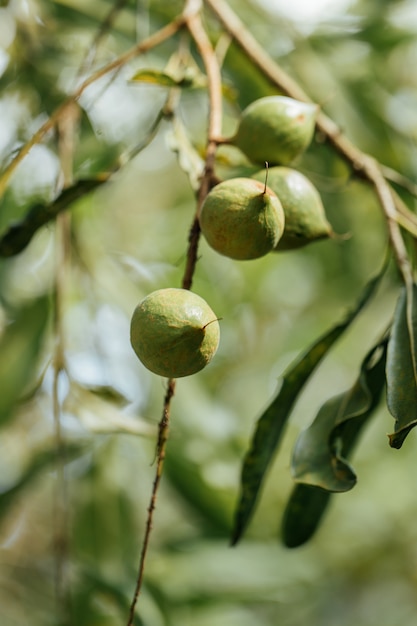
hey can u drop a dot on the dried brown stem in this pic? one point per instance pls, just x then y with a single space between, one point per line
362 164
161 451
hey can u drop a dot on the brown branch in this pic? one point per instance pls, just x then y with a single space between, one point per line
193 22
362 164
161 450
147 44
372 171
105 26
214 81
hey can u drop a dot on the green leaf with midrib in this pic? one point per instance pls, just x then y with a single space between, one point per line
401 367
319 456
270 426
311 496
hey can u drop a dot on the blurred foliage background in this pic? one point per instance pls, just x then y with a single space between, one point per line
84 506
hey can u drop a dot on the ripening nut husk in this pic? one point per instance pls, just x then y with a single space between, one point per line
174 332
305 217
242 219
276 129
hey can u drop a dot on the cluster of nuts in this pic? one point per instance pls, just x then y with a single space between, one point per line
174 332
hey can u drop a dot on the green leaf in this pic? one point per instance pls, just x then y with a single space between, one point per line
188 78
303 514
320 451
401 367
155 78
18 235
19 351
308 502
271 424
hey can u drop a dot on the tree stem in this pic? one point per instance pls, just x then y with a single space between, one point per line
192 21
163 430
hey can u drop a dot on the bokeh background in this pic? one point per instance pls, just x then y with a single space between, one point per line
128 238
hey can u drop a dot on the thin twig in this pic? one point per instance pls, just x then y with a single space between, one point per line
214 81
196 29
147 44
400 180
373 173
161 450
406 218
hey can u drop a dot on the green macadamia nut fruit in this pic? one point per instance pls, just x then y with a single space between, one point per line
174 332
275 129
305 218
242 218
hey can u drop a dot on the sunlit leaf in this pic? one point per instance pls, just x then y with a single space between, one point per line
155 78
189 78
271 424
19 352
401 367
319 456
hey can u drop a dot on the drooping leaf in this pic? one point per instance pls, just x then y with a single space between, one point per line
18 235
402 367
271 424
19 351
303 514
319 456
314 462
311 497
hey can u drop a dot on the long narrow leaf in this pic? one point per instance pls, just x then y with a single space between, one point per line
401 367
271 424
